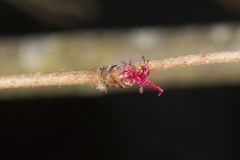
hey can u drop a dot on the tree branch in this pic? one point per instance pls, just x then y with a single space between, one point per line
95 77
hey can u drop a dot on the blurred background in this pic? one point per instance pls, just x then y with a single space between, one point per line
196 118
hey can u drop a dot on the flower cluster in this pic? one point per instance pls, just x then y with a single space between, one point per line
131 74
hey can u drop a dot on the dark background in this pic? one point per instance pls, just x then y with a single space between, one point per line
124 14
192 123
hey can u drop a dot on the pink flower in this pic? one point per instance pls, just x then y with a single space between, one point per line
131 73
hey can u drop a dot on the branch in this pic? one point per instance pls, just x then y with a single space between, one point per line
193 60
110 76
49 79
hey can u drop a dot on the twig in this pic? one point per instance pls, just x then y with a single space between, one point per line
49 79
109 76
192 60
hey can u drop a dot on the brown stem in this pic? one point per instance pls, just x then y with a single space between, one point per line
49 79
95 78
193 60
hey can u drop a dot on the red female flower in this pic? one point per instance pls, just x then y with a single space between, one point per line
131 74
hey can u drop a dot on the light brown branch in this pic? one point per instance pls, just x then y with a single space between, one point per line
94 77
193 60
49 79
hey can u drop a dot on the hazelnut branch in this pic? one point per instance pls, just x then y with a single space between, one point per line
95 77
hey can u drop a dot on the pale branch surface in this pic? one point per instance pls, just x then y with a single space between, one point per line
94 78
49 79
192 60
